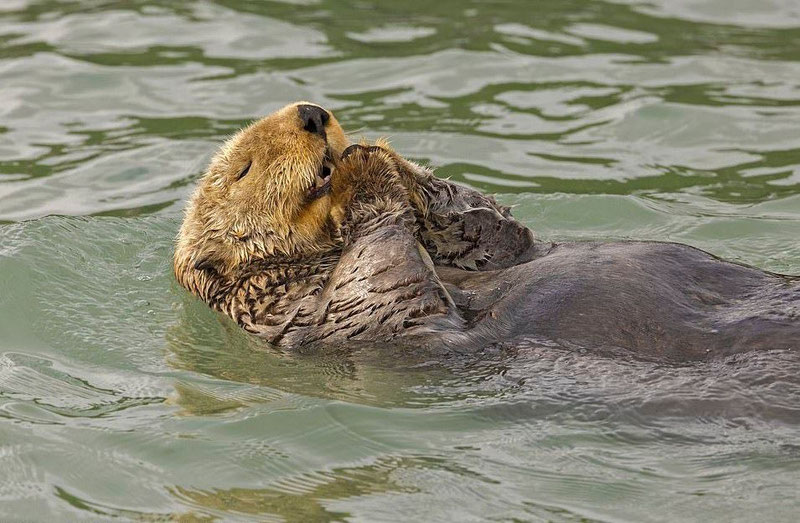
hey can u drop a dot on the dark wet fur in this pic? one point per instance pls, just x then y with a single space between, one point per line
431 265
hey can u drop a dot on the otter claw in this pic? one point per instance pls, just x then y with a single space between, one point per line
353 148
350 149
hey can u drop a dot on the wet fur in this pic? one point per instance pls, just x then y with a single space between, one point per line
394 253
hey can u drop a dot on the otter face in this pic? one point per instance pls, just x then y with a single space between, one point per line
265 193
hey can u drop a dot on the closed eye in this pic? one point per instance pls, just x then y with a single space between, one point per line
244 171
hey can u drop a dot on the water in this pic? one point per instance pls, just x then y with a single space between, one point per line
122 397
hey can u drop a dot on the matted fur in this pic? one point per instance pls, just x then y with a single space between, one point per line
394 253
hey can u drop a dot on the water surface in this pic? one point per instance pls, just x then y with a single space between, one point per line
121 397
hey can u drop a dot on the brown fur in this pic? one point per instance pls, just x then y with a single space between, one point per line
283 266
294 293
392 252
230 223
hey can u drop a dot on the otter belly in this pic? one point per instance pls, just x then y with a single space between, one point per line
657 299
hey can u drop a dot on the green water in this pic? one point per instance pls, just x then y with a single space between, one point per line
123 398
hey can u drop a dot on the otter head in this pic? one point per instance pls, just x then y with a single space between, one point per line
265 193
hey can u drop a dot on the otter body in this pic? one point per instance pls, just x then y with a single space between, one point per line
309 242
661 300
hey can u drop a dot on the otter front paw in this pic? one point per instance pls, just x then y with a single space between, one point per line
476 239
462 227
369 189
366 174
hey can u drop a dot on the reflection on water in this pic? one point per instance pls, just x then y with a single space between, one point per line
305 498
364 373
122 397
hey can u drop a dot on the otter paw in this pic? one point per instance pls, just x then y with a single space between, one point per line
370 191
366 171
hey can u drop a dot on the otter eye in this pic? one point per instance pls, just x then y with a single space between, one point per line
244 171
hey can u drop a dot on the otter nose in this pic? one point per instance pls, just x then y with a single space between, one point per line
313 118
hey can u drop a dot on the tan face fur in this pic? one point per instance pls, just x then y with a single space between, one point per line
274 209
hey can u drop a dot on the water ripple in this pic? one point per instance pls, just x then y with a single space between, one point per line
122 397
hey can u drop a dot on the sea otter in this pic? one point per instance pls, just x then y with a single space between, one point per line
309 241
